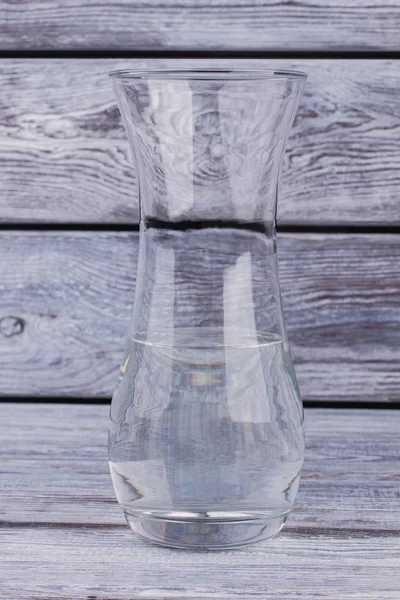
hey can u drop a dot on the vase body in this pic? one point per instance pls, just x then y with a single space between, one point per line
206 436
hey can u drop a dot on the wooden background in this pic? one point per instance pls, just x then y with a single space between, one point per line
68 199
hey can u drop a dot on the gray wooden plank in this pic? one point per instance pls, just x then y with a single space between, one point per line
67 296
63 535
56 469
211 24
87 564
65 157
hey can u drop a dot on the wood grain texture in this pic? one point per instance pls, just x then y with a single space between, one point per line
63 535
66 301
211 24
109 564
65 157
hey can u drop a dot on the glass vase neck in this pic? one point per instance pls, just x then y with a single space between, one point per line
208 144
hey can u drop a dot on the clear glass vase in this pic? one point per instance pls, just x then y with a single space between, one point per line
206 437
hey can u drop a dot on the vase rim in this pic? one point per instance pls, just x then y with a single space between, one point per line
207 74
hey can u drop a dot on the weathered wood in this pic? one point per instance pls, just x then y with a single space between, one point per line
66 301
109 564
56 470
214 24
65 157
63 535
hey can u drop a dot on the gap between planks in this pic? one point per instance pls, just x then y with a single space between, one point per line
309 404
211 53
328 228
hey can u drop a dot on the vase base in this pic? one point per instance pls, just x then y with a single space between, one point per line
206 534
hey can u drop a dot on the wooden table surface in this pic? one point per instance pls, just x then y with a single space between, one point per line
64 536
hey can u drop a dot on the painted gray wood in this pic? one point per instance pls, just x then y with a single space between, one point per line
67 296
55 468
63 535
213 24
65 157
109 564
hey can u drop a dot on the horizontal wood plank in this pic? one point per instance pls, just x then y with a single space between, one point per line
210 24
349 479
65 156
63 535
67 297
108 564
